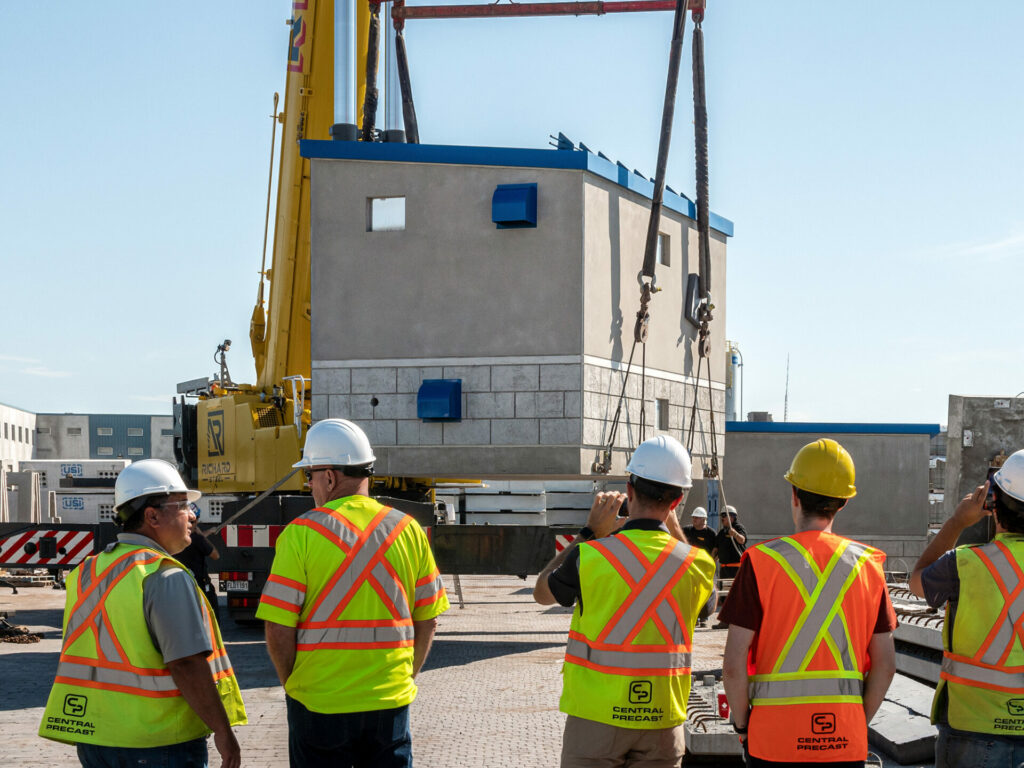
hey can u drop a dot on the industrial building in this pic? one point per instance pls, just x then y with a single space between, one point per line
28 435
891 508
502 283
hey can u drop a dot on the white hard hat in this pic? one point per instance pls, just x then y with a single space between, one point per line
335 443
663 460
1010 476
731 510
699 512
149 477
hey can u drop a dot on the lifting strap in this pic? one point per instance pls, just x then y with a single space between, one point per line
647 279
700 122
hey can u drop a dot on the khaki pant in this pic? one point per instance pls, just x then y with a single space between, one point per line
589 744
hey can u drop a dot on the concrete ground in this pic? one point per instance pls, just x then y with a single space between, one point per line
488 694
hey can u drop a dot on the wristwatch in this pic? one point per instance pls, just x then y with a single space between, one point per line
586 534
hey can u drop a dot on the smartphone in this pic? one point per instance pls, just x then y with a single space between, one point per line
624 509
990 497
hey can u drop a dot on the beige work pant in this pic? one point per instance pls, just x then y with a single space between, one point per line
589 744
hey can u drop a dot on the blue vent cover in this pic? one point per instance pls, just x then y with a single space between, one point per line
514 206
439 400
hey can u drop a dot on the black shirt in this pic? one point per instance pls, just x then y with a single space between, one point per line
704 538
728 551
564 581
194 557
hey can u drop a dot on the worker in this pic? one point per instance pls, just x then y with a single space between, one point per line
810 617
350 608
194 557
978 703
730 541
699 535
143 676
637 588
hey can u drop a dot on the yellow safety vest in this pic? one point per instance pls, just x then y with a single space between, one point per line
353 574
627 661
983 660
112 686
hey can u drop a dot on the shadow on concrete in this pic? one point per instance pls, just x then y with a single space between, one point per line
454 653
46 620
27 678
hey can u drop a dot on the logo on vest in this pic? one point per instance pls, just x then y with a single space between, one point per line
74 707
823 724
640 692
1015 707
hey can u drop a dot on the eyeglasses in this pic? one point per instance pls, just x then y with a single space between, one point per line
309 473
177 506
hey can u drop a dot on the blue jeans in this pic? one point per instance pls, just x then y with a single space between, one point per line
976 750
376 739
188 754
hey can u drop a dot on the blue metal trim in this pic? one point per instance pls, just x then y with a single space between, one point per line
513 157
832 428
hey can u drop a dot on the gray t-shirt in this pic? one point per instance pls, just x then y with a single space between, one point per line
171 604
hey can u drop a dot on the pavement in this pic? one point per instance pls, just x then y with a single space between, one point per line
488 694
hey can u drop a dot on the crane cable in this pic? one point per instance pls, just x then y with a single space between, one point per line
648 283
700 120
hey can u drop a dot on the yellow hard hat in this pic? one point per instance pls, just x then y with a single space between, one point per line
823 467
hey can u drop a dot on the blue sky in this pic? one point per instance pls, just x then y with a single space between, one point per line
870 158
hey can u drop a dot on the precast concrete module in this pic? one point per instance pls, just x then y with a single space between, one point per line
506 280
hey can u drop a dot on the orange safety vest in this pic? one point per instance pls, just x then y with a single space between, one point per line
983 660
820 595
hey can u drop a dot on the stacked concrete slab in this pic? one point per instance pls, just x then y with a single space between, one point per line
536 322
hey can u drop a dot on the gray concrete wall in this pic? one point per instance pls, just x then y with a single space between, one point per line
891 504
991 425
68 437
450 284
503 310
615 229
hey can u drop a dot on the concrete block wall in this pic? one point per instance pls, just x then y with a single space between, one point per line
503 403
602 386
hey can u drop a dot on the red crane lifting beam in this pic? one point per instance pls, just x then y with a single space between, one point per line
591 8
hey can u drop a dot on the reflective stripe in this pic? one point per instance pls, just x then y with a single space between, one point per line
983 677
1007 575
292 593
428 590
628 659
361 635
159 682
353 570
823 592
90 597
650 584
762 691
658 579
325 519
636 566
